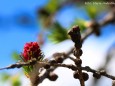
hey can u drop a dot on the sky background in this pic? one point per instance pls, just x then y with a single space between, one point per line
13 36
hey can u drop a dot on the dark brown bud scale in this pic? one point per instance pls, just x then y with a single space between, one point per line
77 40
80 52
76 28
76 75
97 75
78 45
59 59
52 61
78 62
77 52
52 76
76 36
47 66
85 76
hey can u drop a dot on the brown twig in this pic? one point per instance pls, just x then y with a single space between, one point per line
70 66
76 38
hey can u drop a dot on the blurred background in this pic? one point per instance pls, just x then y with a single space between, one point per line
47 22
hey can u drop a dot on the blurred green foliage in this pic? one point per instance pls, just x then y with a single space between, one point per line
27 69
58 33
15 56
5 76
16 81
13 79
93 10
52 6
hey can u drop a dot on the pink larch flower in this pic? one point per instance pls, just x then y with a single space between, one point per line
31 50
